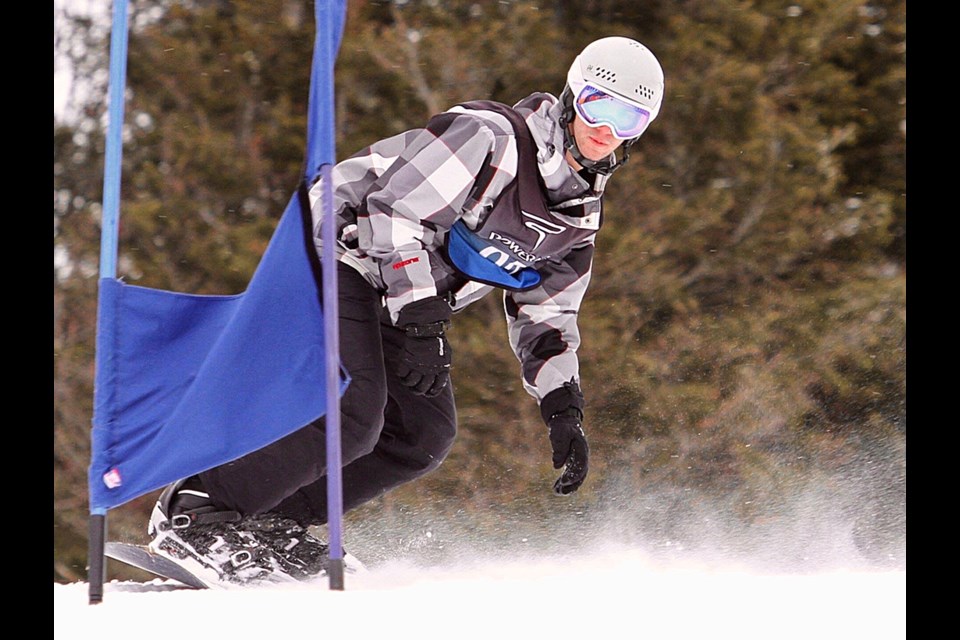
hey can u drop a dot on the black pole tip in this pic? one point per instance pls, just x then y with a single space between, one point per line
335 573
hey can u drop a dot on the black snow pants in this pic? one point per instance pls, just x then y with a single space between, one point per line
389 435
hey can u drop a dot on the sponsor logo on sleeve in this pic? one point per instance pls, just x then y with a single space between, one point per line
404 263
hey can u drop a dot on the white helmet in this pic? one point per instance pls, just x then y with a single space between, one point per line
618 68
622 67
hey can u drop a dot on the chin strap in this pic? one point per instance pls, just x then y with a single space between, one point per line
604 167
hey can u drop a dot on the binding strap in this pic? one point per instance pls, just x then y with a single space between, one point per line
206 515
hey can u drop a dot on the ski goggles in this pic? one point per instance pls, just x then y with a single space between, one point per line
596 108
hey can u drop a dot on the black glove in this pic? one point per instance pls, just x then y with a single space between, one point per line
570 449
562 410
426 358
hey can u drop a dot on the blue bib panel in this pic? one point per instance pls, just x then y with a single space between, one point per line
482 261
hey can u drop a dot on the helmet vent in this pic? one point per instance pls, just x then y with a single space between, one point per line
645 92
602 73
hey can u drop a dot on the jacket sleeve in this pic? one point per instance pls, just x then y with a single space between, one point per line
542 322
417 199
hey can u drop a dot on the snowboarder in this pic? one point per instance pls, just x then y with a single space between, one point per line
484 196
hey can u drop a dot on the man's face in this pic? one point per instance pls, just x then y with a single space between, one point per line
595 143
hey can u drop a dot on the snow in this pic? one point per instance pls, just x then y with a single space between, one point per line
617 593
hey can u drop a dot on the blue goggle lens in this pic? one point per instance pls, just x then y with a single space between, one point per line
599 108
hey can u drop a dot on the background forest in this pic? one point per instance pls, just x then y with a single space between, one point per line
744 338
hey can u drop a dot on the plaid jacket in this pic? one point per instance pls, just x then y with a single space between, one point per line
396 200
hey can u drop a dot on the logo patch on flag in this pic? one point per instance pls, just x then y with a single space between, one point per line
112 478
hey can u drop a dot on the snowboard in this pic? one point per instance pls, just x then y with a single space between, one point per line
141 557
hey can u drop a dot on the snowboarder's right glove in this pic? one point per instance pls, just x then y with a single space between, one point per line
426 359
562 410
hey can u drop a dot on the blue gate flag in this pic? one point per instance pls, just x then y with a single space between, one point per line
187 382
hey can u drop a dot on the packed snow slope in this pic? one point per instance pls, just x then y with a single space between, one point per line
617 593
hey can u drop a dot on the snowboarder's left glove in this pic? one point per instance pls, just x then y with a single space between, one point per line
570 451
426 359
562 410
